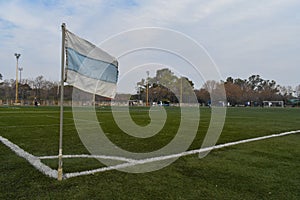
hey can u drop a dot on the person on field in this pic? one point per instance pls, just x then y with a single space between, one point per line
35 102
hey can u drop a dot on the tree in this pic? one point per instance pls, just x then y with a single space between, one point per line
165 86
210 85
185 90
263 89
255 82
165 77
216 91
202 96
229 80
234 93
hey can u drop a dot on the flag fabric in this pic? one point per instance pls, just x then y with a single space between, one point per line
89 68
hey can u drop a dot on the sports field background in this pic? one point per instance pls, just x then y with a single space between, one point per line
267 169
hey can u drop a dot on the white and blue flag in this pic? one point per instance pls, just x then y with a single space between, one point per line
89 68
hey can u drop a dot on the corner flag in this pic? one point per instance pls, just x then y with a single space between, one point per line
88 68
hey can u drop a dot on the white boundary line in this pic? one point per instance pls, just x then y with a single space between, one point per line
33 160
90 156
36 161
159 158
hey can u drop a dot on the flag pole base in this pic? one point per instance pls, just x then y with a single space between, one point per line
59 174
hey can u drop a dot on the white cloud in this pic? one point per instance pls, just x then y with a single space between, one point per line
261 34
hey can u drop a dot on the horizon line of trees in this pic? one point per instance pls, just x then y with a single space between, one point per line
28 89
164 86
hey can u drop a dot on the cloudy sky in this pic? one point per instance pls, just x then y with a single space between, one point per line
241 37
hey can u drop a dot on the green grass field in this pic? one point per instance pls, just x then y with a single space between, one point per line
266 169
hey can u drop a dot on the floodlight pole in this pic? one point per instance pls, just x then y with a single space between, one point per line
147 89
60 161
17 67
20 69
181 91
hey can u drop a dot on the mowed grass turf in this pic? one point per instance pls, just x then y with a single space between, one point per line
266 169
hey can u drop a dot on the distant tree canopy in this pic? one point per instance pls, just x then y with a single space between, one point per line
39 87
253 89
167 86
29 89
164 86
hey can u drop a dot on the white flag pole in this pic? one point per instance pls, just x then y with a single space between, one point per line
60 162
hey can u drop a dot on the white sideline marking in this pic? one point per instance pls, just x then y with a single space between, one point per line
33 160
159 158
36 161
90 156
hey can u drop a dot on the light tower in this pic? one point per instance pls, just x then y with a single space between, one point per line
20 70
147 89
21 92
17 67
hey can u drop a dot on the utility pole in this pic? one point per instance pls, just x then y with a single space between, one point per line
21 92
181 100
17 67
20 69
147 89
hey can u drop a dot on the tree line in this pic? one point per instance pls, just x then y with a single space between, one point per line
28 89
46 92
165 86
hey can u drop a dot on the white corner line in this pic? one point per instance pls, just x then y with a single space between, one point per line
159 158
33 160
36 161
90 156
